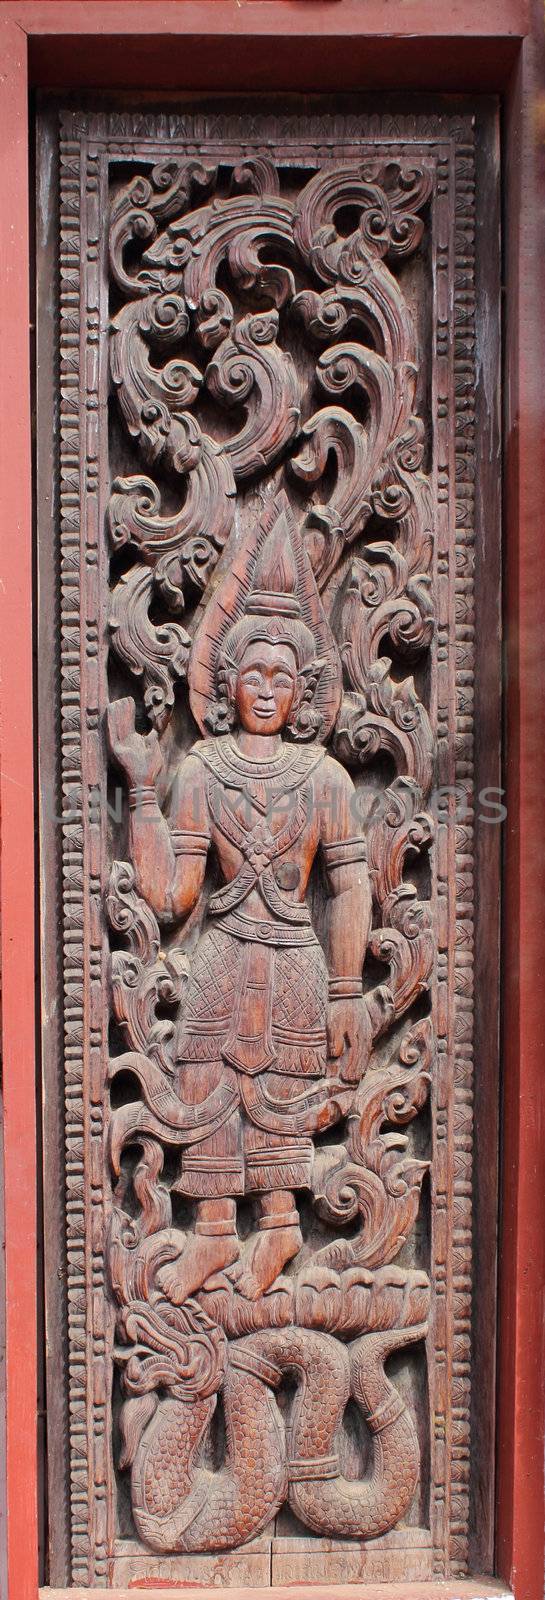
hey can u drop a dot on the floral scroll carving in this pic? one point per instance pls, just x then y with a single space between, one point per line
264 367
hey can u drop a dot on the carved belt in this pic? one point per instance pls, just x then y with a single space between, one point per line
277 934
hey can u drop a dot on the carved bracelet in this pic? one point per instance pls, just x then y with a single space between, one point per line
345 988
142 796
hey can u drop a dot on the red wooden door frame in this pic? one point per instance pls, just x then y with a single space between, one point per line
495 46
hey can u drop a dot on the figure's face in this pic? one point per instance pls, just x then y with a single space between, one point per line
266 687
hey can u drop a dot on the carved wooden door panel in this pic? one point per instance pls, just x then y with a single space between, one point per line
264 664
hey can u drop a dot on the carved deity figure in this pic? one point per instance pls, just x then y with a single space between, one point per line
274 1023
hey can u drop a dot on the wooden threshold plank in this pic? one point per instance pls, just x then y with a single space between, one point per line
457 1589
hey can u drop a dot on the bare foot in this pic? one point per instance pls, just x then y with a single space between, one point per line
200 1257
264 1259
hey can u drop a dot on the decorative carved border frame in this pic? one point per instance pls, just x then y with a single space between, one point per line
87 141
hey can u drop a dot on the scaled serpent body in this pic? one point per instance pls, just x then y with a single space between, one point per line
180 1505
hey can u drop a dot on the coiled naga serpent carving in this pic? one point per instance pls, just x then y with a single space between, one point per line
180 1506
251 1033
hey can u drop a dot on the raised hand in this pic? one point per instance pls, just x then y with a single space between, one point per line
138 755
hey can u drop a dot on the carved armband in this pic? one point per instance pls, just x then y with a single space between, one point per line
189 844
342 852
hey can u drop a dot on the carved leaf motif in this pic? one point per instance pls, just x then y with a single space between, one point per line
344 365
397 1097
327 527
258 174
130 915
187 542
152 397
374 1178
250 368
363 456
143 978
379 306
134 517
382 601
403 493
388 717
389 196
396 828
408 188
338 369
159 654
408 948
213 318
136 1242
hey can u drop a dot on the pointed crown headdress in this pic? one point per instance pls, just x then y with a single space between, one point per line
267 592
